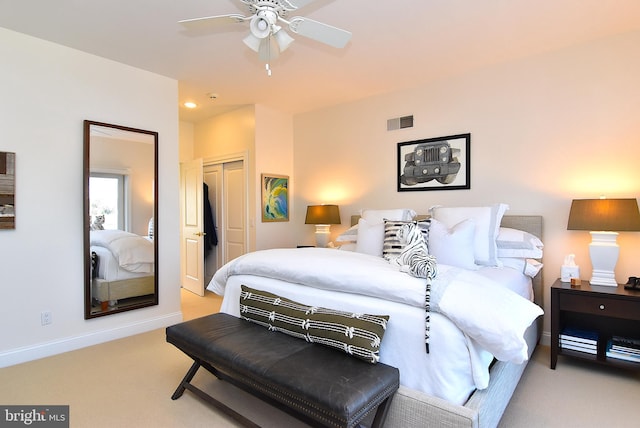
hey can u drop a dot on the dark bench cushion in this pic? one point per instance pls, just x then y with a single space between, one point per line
317 381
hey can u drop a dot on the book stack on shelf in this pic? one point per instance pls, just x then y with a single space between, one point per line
624 348
579 340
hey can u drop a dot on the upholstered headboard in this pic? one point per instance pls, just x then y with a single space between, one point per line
528 223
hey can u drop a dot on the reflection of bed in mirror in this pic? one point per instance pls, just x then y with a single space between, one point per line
123 267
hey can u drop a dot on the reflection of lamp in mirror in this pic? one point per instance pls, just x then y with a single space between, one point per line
323 216
604 218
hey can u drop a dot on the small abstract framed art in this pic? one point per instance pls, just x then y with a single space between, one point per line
275 197
7 190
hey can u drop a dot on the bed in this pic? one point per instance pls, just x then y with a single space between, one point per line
122 266
458 381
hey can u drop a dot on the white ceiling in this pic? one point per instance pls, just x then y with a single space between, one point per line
396 44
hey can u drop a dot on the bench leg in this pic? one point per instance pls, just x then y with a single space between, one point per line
187 378
186 384
381 413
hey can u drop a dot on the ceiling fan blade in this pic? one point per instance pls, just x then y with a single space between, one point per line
324 33
300 3
209 22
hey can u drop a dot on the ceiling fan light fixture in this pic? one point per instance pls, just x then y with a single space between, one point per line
253 42
263 19
283 39
268 50
259 27
261 23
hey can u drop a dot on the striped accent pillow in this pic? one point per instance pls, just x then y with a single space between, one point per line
356 334
392 247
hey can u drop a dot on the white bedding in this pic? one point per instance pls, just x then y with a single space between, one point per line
109 269
457 362
129 251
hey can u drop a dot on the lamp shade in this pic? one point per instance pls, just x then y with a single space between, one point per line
322 214
613 215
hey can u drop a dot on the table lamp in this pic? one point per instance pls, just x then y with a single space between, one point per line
323 216
604 218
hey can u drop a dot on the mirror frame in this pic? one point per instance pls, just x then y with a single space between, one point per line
87 221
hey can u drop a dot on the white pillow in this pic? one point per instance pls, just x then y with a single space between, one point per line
453 246
518 243
379 216
349 235
349 246
371 228
370 238
487 221
529 267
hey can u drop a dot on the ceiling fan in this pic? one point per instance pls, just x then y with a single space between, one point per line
267 37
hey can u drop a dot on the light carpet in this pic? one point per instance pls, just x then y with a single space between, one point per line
129 382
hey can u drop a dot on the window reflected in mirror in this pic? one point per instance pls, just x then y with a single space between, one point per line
107 194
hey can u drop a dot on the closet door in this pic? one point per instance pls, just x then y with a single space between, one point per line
213 253
235 210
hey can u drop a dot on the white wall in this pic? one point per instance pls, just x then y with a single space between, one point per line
186 130
47 91
544 130
273 155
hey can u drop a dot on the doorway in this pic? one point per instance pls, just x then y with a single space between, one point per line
227 196
216 231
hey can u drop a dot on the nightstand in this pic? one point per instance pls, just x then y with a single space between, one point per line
605 311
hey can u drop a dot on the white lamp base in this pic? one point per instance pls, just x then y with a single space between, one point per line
322 235
604 251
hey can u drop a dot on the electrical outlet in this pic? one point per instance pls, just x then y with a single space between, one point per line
45 318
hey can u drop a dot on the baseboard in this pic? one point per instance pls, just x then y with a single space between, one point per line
545 339
42 350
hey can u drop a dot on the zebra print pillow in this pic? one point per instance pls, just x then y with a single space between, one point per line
392 247
356 334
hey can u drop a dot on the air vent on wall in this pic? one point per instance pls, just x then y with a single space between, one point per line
400 123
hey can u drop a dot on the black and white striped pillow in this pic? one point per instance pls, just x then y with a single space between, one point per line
391 248
356 334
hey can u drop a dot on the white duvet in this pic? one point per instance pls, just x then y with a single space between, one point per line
473 318
132 252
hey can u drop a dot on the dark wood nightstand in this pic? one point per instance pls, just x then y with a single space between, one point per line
607 311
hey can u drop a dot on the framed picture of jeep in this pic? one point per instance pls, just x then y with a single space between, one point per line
440 163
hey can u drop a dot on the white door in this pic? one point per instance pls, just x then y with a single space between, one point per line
192 242
213 255
234 216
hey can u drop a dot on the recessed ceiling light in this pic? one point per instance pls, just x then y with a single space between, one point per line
190 104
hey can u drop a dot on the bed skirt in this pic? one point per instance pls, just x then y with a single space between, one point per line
103 290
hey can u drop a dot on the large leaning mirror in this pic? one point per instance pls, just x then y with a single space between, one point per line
120 218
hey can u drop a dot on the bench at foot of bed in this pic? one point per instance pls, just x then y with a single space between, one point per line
319 385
